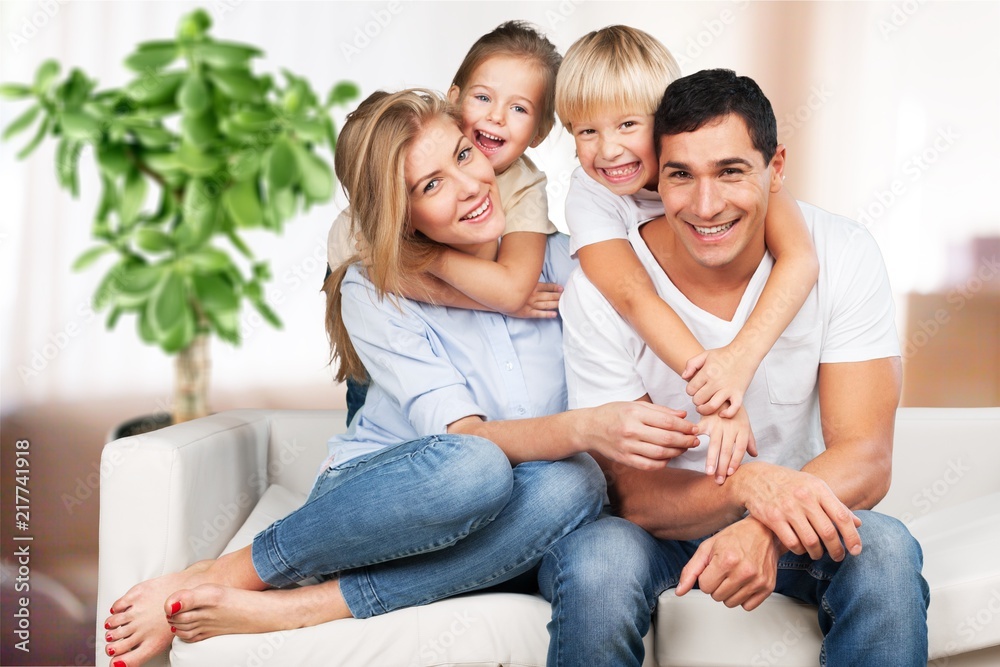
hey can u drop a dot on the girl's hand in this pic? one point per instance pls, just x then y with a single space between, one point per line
716 376
729 440
543 302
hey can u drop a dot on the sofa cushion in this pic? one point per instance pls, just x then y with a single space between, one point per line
477 630
960 546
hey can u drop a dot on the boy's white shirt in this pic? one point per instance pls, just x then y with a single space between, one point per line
595 214
848 316
522 197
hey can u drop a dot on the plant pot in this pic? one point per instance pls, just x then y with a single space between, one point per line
140 425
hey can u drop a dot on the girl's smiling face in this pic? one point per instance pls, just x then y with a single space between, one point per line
452 190
501 108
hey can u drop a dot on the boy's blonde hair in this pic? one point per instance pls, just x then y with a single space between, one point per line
615 69
517 39
370 164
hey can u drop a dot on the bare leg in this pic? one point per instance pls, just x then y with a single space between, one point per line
210 610
137 628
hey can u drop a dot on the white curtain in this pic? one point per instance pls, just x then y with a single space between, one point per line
890 111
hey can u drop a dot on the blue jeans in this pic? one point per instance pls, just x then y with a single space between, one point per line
427 519
872 607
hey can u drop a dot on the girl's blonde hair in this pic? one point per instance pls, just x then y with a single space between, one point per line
517 39
617 69
369 161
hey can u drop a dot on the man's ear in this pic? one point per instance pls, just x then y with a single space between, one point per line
453 94
777 168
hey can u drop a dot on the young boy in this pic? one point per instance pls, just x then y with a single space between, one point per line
608 87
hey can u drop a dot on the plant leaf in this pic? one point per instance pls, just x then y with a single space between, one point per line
215 293
227 324
45 75
155 88
237 84
199 130
153 137
342 93
195 162
90 256
308 129
243 204
22 122
37 139
198 220
282 170
156 44
239 244
193 96
225 54
245 164
133 196
131 284
317 177
284 204
168 302
80 127
14 91
151 58
67 158
208 260
181 335
112 160
153 240
266 312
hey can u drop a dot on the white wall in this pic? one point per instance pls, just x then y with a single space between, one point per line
861 90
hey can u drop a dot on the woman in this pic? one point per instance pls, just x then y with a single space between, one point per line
462 452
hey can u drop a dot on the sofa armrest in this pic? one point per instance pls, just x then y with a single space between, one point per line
175 496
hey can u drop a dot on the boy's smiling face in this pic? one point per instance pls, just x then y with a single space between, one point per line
501 107
617 151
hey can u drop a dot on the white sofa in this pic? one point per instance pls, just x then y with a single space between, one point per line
193 490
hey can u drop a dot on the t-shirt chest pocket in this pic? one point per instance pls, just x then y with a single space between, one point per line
792 367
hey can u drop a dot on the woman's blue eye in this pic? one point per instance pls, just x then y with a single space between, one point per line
464 154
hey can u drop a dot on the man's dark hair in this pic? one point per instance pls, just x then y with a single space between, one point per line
695 100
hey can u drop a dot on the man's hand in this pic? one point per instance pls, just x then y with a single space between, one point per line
799 508
729 440
736 566
717 376
636 433
542 303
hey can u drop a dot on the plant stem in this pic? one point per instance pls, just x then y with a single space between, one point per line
191 380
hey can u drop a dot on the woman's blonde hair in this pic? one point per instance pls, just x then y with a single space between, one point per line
617 69
370 160
517 39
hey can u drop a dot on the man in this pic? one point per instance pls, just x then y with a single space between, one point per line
822 405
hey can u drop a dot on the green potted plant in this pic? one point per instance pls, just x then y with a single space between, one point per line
192 154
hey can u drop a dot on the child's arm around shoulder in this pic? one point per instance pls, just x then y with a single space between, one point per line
724 374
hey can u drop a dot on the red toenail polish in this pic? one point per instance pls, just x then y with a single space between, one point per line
111 651
118 663
107 626
108 638
112 610
173 629
174 608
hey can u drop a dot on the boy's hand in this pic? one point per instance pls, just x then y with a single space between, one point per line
729 440
543 302
716 376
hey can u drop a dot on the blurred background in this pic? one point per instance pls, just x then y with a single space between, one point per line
889 110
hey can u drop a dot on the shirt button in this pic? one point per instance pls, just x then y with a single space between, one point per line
509 366
521 411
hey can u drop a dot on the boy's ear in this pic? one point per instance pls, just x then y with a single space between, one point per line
537 140
453 94
777 167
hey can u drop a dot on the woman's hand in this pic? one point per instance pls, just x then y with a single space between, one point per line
716 376
542 303
638 434
728 441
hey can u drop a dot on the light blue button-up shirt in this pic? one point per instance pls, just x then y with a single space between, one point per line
433 365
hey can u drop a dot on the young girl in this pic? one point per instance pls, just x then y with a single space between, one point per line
609 85
505 89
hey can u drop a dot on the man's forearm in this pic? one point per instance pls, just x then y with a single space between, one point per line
671 503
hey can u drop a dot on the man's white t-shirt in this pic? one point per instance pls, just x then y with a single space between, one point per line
848 316
595 214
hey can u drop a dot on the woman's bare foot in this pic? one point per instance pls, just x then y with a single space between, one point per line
210 610
137 630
